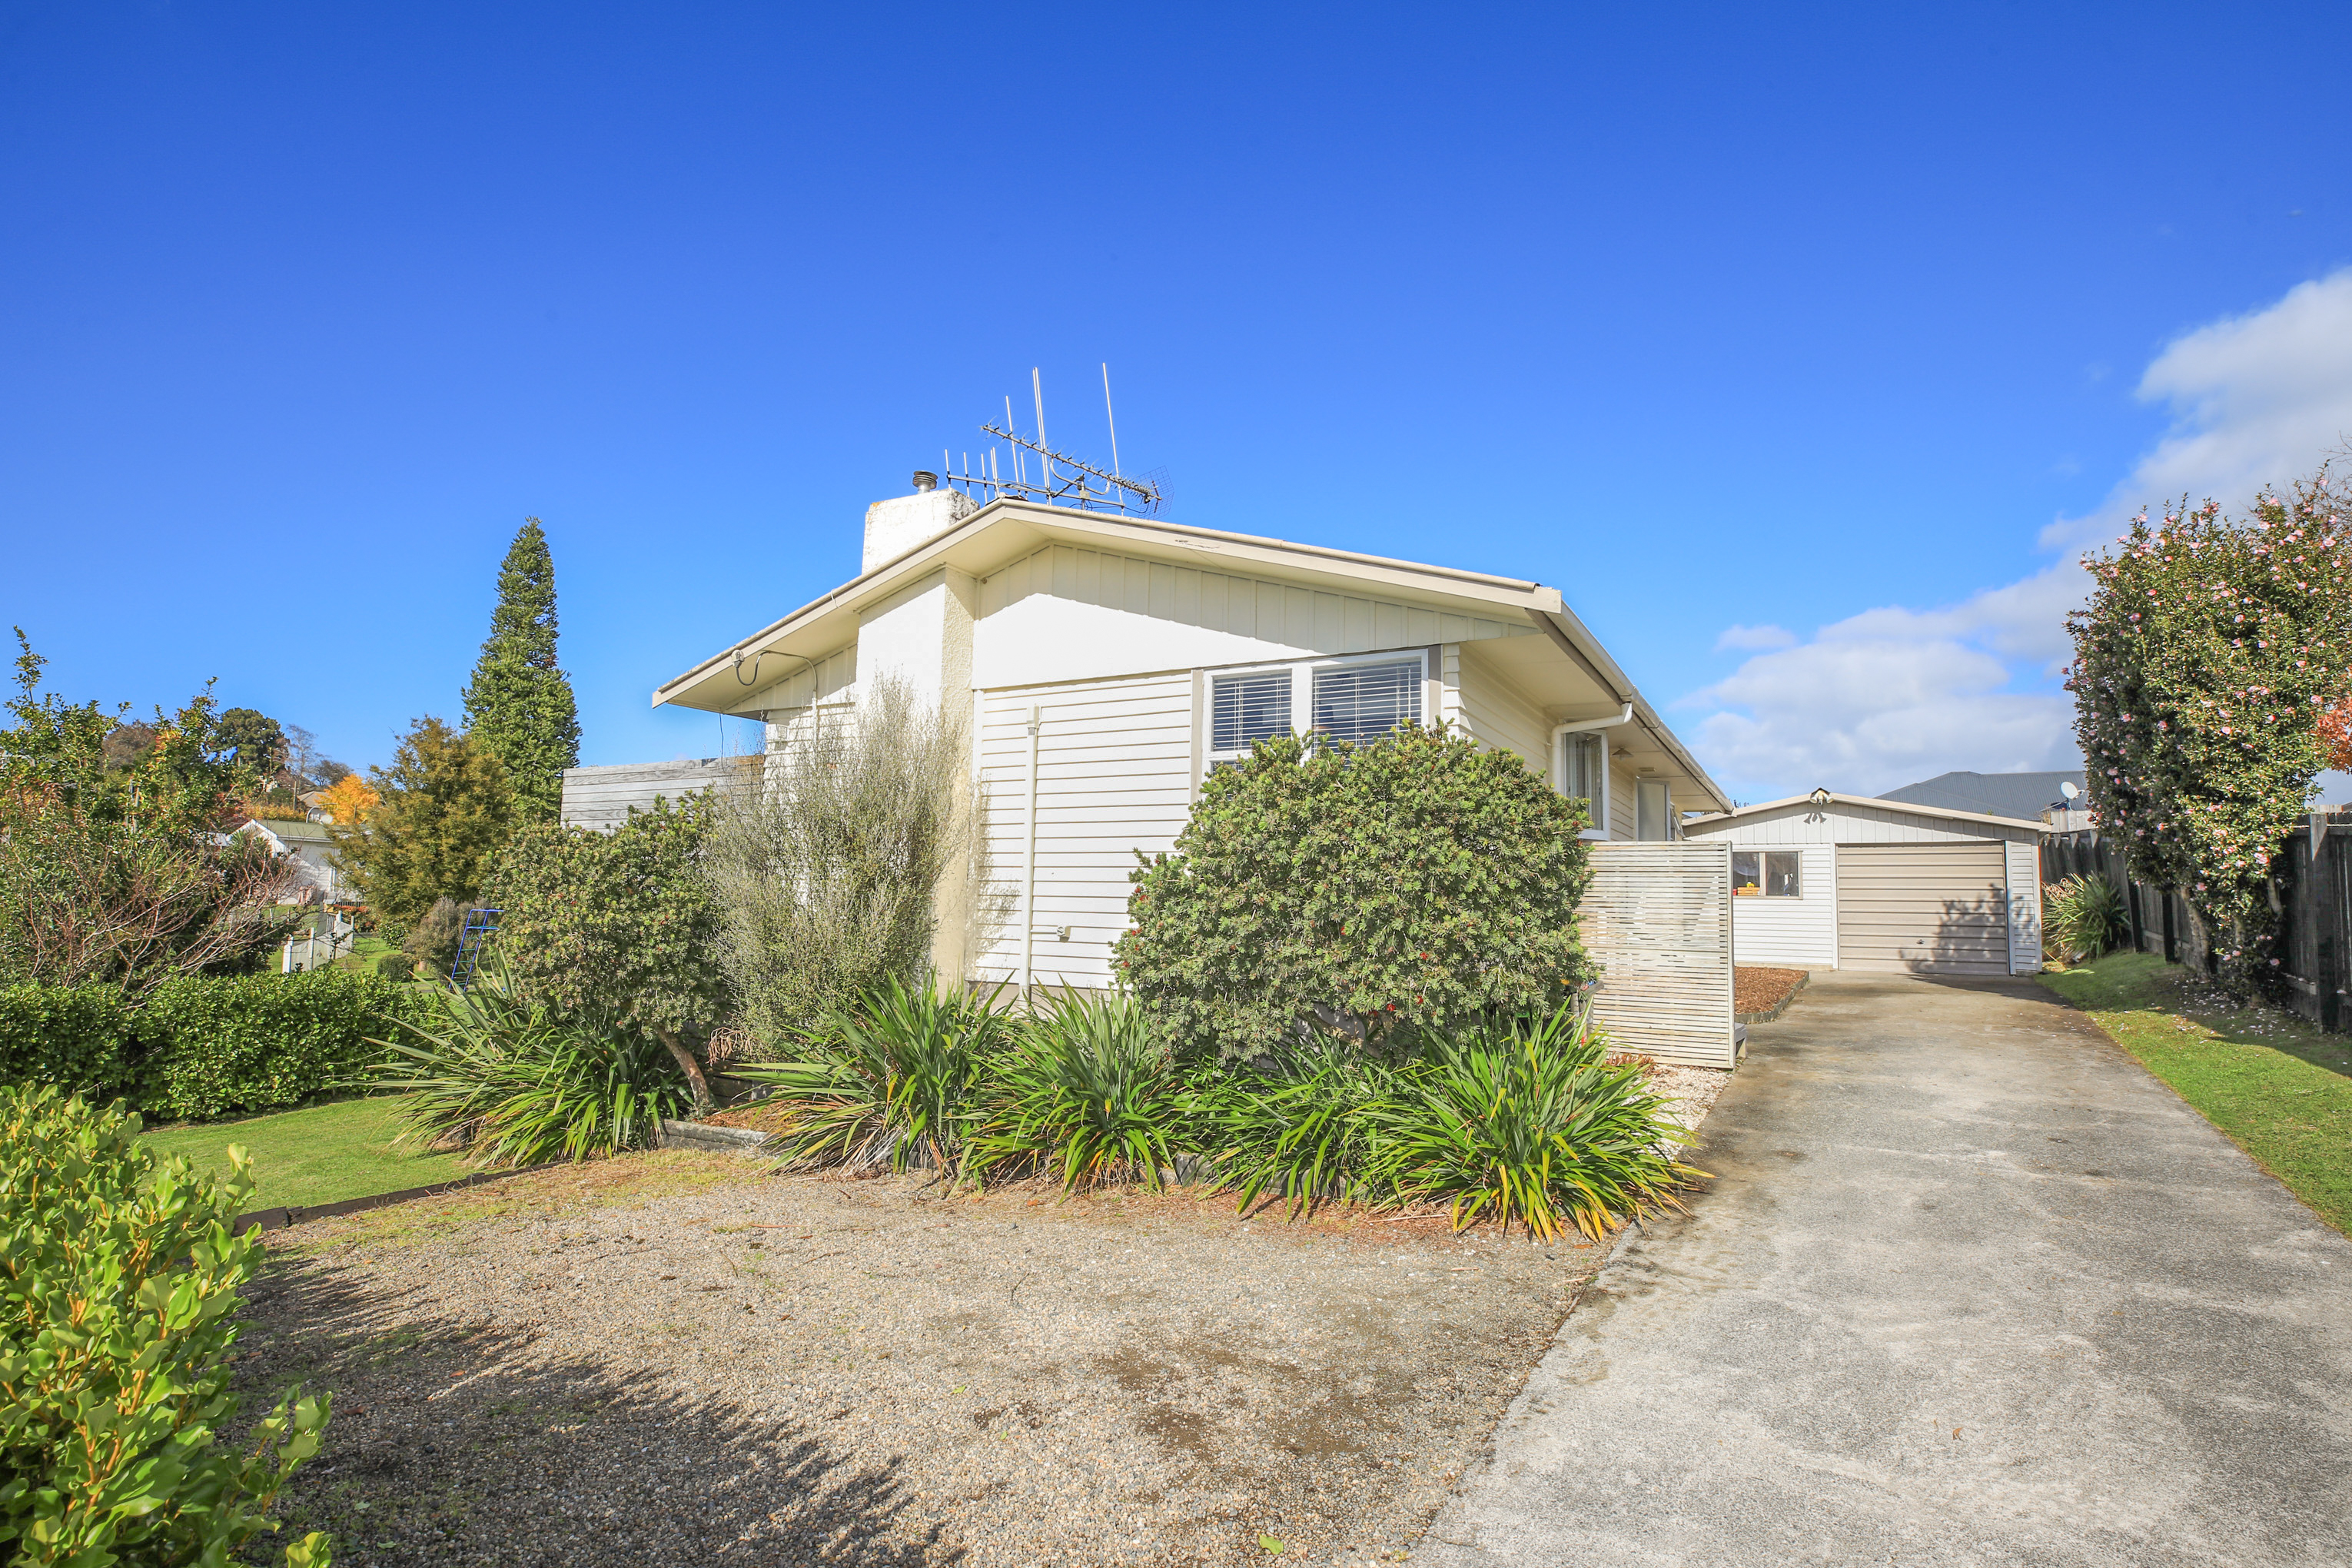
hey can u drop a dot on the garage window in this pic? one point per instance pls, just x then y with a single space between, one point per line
1768 874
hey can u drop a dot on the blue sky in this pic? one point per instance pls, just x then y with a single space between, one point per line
1799 346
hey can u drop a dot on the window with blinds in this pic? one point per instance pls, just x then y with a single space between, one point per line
1362 703
1247 709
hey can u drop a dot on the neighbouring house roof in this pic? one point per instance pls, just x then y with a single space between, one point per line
1005 531
2019 796
1868 802
290 833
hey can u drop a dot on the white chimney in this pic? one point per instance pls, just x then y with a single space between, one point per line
894 527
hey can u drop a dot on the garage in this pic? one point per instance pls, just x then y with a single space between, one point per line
1837 881
1923 908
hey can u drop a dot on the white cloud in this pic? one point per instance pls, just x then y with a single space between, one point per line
1896 693
1754 638
2255 399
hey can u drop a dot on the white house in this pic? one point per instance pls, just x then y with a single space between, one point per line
1108 662
307 844
1837 881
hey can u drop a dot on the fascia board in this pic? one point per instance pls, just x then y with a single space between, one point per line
1004 532
1872 803
1574 638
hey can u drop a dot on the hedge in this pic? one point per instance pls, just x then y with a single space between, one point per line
200 1047
118 1280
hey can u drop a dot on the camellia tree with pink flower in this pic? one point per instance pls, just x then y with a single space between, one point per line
2209 652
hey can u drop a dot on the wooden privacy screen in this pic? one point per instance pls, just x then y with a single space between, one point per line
1657 921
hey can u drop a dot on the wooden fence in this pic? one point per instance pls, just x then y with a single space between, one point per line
2312 874
600 797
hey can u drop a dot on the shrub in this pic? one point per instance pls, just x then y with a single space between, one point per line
431 945
199 1047
1417 882
1528 1120
2083 917
521 1085
889 1083
119 1282
1085 1094
396 967
212 1047
618 926
829 875
77 1037
2205 659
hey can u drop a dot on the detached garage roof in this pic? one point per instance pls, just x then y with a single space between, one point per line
1870 802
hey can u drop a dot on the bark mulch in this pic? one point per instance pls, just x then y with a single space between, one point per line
1755 990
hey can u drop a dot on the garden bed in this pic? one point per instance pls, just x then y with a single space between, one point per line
1758 995
675 1358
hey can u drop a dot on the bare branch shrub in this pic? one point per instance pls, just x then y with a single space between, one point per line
827 869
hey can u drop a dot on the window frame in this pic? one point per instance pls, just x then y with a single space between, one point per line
1599 830
1764 855
1302 672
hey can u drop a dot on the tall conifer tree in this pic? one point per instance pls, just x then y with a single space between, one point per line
520 708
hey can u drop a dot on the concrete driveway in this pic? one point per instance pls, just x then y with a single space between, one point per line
1970 1287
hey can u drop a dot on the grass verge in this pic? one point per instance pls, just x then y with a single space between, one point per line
320 1154
2279 1088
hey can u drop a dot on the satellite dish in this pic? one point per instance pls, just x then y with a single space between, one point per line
2066 787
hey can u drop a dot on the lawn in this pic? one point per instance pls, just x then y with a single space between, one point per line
2281 1089
320 1154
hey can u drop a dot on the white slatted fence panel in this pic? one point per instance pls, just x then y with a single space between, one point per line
1657 921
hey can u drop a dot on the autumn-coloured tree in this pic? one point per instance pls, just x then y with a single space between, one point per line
348 801
2335 737
2204 662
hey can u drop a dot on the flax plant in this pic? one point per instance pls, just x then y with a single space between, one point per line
887 1082
1086 1095
521 1085
1528 1121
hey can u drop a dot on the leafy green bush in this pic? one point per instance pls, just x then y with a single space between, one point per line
2083 917
521 1085
890 1082
396 967
1415 883
431 945
209 1047
1083 1093
199 1047
118 1284
1528 1121
618 926
77 1037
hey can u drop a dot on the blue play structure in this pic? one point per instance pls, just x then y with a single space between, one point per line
480 926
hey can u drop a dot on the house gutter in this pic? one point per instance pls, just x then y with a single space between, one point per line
1569 635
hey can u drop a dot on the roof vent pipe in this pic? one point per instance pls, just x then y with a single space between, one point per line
925 481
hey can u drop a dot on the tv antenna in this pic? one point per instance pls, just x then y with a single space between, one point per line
1058 479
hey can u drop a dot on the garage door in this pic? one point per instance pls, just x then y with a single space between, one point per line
1923 909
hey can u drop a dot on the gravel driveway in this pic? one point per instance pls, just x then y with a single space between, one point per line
681 1358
